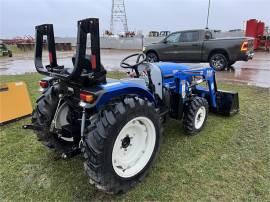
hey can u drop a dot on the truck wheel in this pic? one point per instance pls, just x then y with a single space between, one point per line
121 144
195 115
231 63
152 57
218 61
42 117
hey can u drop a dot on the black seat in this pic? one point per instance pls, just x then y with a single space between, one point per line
87 65
97 77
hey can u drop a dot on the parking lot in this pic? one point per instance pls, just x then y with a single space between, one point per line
254 72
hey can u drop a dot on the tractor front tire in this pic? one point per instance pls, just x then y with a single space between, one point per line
195 115
121 144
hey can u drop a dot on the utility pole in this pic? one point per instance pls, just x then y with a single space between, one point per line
118 15
208 13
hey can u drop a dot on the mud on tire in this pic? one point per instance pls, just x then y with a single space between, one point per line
101 138
196 109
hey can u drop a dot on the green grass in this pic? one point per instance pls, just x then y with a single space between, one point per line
229 160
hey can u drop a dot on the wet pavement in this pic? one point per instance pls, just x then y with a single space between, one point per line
254 72
24 63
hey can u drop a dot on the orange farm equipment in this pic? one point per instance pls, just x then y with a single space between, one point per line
260 33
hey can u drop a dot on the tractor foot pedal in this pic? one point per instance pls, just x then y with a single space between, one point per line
31 127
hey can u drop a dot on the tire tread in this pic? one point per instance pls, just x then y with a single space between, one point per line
94 151
190 112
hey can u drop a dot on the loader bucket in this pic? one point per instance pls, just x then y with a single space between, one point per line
227 103
14 101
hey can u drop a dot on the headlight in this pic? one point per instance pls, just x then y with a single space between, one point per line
144 48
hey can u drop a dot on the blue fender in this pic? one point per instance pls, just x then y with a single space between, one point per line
116 89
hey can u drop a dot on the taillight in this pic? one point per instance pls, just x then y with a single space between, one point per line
44 84
87 97
244 46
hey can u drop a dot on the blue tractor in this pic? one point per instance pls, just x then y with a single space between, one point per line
117 124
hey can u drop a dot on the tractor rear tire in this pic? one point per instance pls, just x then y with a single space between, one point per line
195 115
121 144
42 117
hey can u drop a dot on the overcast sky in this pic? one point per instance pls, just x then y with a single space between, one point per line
18 17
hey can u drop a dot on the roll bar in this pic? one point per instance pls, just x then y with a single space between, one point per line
86 26
41 31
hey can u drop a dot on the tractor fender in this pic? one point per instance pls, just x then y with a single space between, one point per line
115 90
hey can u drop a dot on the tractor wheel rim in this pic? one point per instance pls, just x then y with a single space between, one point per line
134 147
200 117
61 119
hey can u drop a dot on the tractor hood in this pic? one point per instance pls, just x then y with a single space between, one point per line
168 68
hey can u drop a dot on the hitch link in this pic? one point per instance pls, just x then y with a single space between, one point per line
52 127
82 127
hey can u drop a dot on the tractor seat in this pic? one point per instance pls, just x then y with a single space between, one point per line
97 77
87 65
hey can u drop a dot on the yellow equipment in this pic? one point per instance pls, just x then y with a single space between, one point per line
14 101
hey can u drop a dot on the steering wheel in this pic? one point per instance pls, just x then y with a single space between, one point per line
141 57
